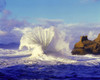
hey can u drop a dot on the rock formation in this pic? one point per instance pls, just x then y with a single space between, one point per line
85 46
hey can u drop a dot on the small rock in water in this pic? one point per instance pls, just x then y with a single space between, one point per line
85 46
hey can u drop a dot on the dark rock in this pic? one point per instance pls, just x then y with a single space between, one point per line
85 46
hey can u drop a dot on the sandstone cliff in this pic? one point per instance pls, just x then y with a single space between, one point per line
85 46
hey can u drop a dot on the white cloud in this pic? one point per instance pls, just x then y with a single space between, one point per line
50 22
23 30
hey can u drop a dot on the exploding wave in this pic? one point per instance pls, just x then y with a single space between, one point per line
45 42
39 36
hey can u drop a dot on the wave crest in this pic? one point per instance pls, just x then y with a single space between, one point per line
47 41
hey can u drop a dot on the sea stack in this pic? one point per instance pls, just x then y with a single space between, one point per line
85 46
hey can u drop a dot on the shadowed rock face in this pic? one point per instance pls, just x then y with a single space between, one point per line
85 46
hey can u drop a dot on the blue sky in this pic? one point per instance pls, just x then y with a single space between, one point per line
70 11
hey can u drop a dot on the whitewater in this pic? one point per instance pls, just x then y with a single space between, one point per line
45 43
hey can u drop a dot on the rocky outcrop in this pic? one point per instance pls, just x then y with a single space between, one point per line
85 46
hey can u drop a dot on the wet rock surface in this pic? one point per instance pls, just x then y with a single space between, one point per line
85 46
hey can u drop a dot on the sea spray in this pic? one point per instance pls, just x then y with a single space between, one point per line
37 37
45 42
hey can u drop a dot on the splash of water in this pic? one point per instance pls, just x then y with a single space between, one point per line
48 41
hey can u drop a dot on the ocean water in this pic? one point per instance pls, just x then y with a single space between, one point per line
45 54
